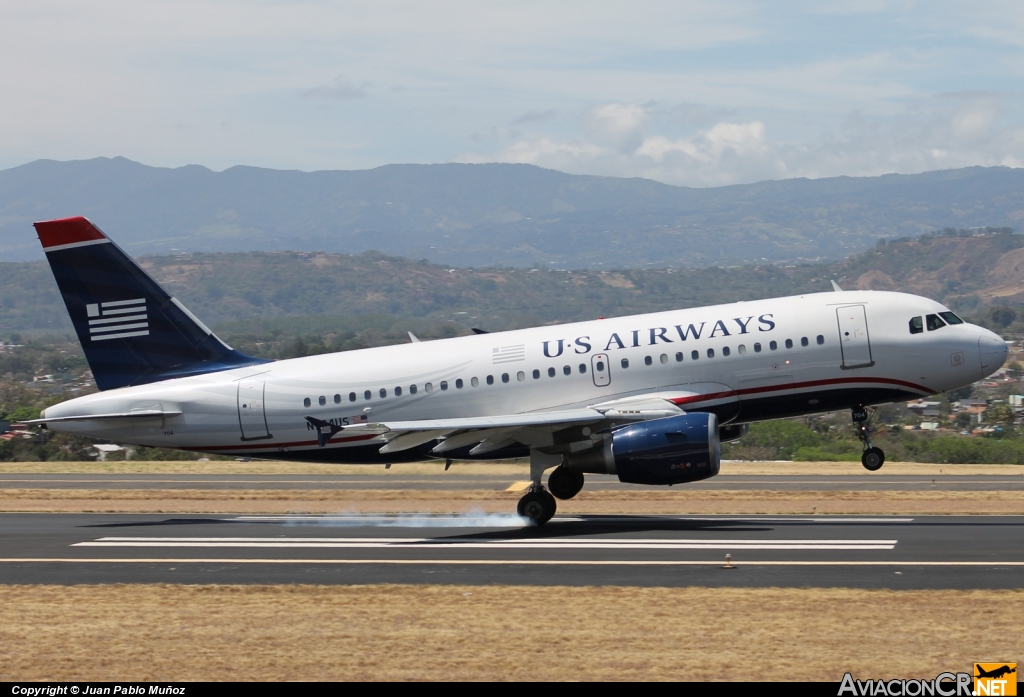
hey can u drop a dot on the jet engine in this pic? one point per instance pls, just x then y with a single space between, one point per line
672 450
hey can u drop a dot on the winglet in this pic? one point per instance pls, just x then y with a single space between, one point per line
414 338
836 288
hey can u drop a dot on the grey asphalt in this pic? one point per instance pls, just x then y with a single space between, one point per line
868 482
795 551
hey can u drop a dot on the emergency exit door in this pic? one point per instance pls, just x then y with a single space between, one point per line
600 369
252 415
853 336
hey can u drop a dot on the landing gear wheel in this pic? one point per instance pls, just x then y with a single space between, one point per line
563 483
873 459
538 506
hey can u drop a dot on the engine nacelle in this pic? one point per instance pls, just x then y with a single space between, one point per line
672 450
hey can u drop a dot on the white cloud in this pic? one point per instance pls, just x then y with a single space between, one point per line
947 131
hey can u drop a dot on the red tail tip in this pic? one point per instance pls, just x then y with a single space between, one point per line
54 233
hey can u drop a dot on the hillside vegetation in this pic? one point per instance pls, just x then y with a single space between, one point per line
314 294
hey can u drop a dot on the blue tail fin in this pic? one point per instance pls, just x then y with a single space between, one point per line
132 331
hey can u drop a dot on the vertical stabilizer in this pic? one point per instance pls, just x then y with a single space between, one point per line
132 331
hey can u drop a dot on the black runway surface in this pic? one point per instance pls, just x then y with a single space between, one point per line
865 482
854 551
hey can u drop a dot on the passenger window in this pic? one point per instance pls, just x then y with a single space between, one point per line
566 370
322 400
725 350
742 349
536 374
916 325
459 384
367 395
444 385
412 389
820 340
475 382
789 343
933 322
950 318
695 354
647 360
551 372
679 356
490 379
804 341
625 362
504 377
384 393
429 387
600 366
583 368
337 399
711 353
351 396
306 402
757 348
772 345
664 359
520 376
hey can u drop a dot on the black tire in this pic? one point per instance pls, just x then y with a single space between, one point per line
563 483
537 506
873 459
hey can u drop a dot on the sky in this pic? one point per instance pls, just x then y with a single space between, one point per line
696 93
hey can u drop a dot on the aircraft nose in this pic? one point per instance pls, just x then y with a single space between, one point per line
993 351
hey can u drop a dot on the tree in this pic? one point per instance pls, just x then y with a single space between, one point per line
1002 316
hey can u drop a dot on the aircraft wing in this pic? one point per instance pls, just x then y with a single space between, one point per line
582 416
489 433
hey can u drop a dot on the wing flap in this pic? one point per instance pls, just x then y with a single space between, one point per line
583 416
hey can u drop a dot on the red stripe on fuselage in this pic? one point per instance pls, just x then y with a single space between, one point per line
710 397
54 233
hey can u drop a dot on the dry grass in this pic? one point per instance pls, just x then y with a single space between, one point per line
655 501
169 632
512 468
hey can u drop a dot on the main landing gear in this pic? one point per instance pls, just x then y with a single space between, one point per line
873 458
538 505
563 483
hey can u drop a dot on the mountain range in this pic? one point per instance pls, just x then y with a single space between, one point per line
510 215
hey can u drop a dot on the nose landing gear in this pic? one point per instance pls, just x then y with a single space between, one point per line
873 458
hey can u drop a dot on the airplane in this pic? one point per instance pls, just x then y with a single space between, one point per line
647 398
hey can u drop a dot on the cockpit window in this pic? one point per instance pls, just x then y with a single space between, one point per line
916 325
933 322
950 318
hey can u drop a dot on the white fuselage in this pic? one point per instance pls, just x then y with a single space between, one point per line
717 358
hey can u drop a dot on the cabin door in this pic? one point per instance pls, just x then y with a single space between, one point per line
252 415
853 336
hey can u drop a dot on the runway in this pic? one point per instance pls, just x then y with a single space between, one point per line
452 481
796 551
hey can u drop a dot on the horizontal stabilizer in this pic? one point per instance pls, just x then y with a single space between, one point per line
140 414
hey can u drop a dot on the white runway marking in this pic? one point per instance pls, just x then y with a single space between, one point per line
396 519
427 543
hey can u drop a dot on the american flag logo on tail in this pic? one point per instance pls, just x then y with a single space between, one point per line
118 319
